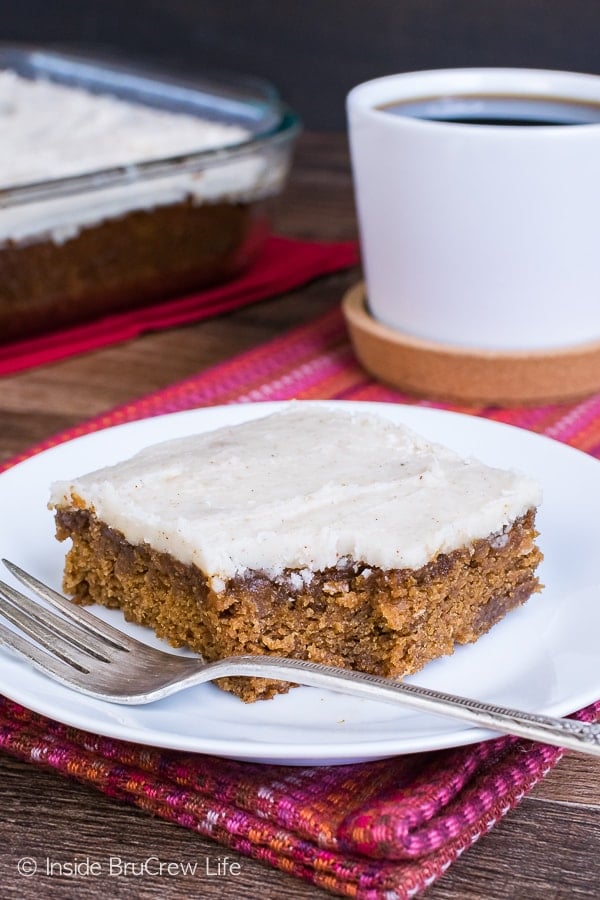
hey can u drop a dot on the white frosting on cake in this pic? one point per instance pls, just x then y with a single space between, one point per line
302 489
51 131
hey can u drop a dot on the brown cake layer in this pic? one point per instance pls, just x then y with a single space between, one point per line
137 258
386 622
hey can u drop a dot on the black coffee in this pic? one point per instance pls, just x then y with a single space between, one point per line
484 109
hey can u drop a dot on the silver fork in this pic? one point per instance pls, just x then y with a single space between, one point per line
86 654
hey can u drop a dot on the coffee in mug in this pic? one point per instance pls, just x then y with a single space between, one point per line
492 109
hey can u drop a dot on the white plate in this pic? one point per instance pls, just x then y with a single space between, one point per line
543 656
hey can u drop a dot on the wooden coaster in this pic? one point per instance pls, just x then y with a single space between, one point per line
449 372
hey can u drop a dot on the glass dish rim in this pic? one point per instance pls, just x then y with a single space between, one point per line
285 129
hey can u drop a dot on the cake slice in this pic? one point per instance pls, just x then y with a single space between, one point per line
315 532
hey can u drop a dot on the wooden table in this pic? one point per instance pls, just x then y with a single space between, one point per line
549 847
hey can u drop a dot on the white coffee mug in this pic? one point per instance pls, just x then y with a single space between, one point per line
478 235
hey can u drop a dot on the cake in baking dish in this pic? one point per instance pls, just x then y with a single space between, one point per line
101 246
317 532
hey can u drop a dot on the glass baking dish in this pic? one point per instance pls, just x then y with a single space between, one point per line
101 231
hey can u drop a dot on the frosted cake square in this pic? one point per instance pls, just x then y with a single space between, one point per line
314 532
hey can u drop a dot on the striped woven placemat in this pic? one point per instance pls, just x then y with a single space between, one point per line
383 830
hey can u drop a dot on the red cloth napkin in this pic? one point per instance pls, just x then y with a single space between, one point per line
282 265
381 830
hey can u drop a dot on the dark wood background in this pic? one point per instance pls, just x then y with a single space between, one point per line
316 50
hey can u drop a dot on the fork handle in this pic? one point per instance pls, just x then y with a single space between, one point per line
568 733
